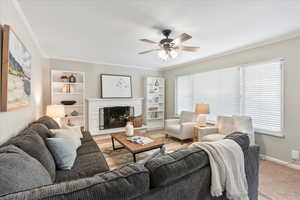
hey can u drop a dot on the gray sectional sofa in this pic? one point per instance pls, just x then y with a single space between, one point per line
180 175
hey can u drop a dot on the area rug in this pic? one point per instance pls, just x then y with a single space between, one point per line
121 157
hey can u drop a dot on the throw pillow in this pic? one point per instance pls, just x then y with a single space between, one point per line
35 146
41 129
19 171
49 122
63 151
156 154
75 129
67 134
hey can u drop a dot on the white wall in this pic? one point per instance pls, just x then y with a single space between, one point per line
276 147
92 73
12 122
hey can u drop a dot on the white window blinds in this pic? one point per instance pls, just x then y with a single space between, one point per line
262 95
220 89
254 90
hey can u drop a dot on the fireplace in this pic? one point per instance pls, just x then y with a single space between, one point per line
114 117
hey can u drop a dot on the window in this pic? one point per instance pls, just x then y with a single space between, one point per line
254 90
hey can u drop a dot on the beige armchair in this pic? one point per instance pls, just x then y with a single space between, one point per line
227 125
183 127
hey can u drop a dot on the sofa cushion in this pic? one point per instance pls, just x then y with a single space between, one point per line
34 145
175 165
89 162
41 129
48 121
19 171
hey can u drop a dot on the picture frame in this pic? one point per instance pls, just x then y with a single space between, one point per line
15 72
115 86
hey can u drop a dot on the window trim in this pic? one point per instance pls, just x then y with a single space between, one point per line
282 85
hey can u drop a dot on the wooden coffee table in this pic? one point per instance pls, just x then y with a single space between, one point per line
132 147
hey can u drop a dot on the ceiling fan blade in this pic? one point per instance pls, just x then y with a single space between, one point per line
149 41
181 38
149 51
187 48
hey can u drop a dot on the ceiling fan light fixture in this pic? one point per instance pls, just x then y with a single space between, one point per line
167 54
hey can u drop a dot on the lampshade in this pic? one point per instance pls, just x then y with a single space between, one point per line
56 111
202 108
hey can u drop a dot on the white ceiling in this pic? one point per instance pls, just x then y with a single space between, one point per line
108 31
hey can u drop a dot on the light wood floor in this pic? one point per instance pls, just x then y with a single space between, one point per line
276 182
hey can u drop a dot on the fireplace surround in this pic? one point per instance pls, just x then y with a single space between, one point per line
94 106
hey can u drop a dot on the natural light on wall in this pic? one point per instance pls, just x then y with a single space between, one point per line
252 90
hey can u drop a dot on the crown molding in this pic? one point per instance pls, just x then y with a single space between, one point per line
105 63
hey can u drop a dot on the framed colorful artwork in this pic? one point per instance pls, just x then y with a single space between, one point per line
15 72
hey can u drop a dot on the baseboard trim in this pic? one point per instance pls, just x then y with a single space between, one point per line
280 162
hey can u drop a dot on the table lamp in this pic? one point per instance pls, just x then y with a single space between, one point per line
203 111
56 112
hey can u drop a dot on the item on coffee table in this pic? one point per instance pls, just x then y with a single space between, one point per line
68 102
129 129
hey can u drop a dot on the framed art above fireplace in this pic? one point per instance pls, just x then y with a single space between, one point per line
115 86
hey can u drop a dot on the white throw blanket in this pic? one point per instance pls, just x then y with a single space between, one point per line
227 168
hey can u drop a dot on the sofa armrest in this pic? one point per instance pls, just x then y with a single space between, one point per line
127 182
169 122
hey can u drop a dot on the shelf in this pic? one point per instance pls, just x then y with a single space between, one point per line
70 106
151 111
67 83
72 117
152 119
68 93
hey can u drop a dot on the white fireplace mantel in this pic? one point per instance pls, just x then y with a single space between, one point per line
95 104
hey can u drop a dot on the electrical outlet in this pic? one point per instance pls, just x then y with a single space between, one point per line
295 155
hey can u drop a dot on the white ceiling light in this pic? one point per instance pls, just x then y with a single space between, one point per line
166 55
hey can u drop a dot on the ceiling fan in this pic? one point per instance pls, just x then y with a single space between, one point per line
168 47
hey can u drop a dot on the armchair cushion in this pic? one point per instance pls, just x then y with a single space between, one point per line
225 125
186 116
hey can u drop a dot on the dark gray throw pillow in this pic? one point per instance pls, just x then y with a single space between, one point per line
35 146
41 129
19 171
48 121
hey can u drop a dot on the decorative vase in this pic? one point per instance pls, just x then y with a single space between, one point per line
129 130
72 79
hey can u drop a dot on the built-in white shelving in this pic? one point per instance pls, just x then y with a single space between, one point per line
65 90
154 114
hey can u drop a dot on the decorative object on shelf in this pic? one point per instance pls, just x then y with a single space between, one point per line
64 78
71 89
68 102
56 112
203 110
129 130
72 78
69 123
156 83
74 113
115 86
15 71
66 88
